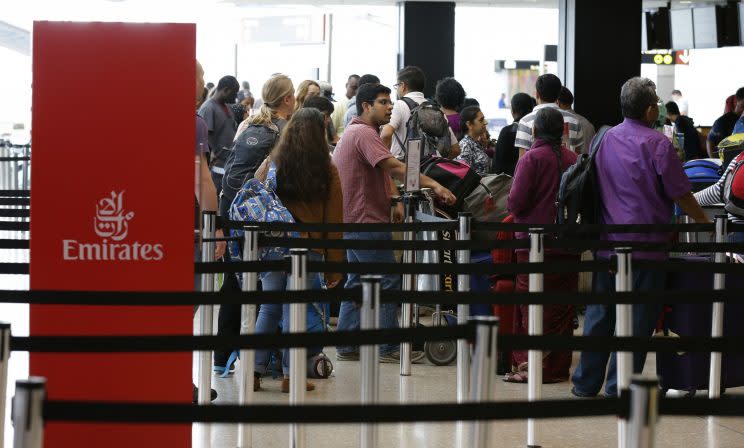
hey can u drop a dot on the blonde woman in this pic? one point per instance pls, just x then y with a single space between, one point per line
259 134
305 90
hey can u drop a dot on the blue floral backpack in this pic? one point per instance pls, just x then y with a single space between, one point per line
258 202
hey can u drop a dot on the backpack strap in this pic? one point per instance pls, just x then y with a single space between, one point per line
412 106
597 140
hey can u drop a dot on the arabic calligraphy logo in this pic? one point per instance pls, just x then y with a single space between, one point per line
111 221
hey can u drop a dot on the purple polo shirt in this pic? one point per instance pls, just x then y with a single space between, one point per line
639 177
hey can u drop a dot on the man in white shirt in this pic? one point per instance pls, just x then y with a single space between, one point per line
548 87
411 84
681 102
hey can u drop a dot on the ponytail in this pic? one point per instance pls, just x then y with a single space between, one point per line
273 93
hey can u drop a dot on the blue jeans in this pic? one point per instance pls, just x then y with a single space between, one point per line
600 321
273 315
348 316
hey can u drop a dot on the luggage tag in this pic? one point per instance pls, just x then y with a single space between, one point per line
413 165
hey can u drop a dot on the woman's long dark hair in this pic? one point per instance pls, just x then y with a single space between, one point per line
303 163
549 127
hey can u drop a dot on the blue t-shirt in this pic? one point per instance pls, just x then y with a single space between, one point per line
739 127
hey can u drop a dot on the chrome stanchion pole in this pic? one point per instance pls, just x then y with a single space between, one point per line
27 413
297 355
369 355
206 312
535 327
463 311
644 412
719 283
248 326
483 373
409 280
4 359
623 328
25 181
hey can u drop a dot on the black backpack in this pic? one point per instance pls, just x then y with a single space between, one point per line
578 194
249 150
428 123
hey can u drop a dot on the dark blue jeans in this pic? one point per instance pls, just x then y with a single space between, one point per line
348 318
600 321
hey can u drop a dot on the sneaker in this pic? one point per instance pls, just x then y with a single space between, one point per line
578 394
347 356
394 357
285 386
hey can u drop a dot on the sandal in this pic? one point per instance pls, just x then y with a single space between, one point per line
516 377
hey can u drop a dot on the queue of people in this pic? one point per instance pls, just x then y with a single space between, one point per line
286 144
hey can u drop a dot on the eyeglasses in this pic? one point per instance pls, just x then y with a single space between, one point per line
384 102
395 86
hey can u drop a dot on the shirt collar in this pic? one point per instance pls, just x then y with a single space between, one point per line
415 95
635 122
543 106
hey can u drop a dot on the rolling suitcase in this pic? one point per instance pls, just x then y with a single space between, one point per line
689 371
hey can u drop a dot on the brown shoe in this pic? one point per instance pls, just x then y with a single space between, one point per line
285 386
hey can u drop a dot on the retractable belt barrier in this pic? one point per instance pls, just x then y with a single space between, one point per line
478 332
71 411
337 295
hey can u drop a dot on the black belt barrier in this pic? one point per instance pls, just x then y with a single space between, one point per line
131 298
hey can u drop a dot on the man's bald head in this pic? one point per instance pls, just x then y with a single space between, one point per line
199 81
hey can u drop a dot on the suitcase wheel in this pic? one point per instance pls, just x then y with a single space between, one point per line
440 353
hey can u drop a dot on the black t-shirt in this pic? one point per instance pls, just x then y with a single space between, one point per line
722 128
686 126
506 155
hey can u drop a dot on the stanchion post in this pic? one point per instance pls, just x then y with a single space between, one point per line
247 326
206 312
27 413
297 355
644 412
535 328
26 163
483 373
369 355
623 328
4 359
409 280
463 311
719 283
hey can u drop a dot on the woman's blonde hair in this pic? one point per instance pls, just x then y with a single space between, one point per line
302 92
273 93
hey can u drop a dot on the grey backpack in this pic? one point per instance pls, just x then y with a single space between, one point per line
428 123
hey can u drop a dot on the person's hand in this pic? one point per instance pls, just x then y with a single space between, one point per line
220 246
444 195
398 213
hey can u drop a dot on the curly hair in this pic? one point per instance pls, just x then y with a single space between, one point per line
449 93
303 163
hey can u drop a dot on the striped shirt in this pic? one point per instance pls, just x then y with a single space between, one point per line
714 194
524 130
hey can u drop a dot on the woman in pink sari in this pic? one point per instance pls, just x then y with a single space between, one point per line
532 201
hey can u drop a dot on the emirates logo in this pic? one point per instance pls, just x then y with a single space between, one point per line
111 225
111 220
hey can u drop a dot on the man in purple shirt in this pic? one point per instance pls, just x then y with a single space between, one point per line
640 179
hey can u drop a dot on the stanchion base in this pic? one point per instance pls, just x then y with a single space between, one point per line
534 446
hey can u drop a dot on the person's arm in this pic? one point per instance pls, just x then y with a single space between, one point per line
398 211
208 201
397 169
519 199
523 140
387 135
455 148
690 206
